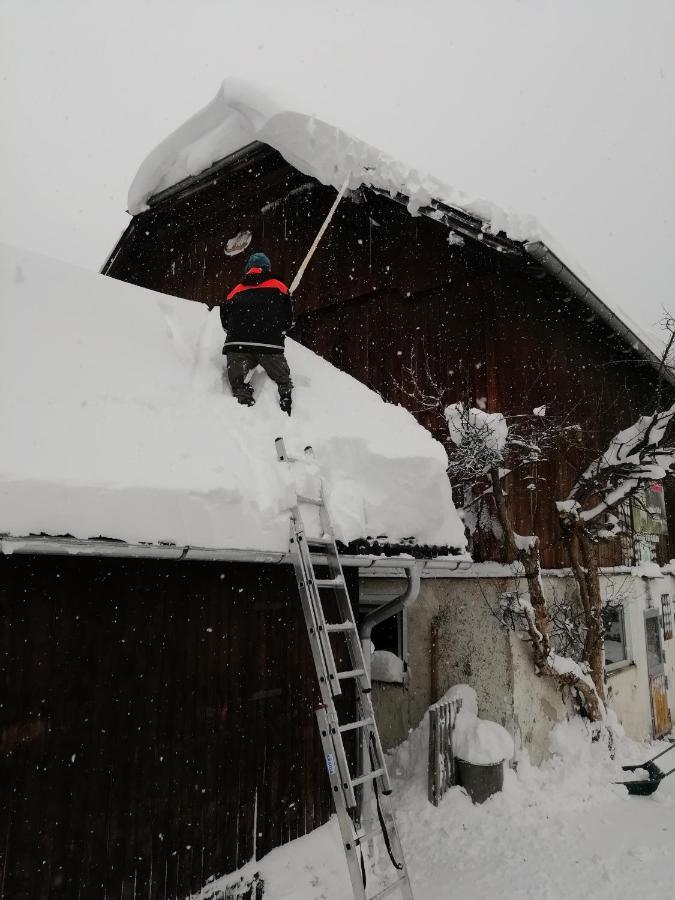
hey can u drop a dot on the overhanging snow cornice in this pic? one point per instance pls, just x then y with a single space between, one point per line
454 219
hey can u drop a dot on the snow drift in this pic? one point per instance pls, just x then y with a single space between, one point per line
241 113
116 424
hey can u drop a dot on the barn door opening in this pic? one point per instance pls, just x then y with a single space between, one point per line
658 683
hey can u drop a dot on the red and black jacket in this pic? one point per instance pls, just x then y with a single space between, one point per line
257 314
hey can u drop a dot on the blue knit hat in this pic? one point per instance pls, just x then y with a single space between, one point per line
258 261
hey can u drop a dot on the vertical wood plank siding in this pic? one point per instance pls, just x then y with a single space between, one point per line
387 294
147 707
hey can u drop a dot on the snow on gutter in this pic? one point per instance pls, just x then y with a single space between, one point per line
555 266
54 546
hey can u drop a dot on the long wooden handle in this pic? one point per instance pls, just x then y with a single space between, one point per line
317 239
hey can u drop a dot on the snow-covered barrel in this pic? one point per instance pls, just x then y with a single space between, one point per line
481 747
480 781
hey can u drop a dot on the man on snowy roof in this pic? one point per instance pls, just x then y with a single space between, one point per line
256 316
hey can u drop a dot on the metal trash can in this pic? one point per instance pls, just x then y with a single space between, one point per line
480 781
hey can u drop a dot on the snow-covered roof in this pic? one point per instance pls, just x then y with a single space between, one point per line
116 424
241 114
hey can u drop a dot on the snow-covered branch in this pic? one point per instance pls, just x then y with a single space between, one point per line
637 455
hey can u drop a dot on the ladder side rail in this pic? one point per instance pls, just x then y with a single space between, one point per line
332 723
346 612
323 663
319 619
363 684
347 830
312 633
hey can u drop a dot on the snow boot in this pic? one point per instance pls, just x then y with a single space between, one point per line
246 401
285 403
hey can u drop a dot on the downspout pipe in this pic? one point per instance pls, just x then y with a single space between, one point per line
392 608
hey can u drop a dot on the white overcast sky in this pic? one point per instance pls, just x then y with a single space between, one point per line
565 110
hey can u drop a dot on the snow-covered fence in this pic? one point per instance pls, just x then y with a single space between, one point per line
442 769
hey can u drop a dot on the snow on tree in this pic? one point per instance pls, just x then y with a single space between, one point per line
485 445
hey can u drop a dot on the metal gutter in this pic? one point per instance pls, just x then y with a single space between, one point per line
193 182
555 266
67 546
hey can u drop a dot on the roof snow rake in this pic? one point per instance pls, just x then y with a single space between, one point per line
647 786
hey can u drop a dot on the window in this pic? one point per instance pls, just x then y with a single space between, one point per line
390 638
616 640
645 531
655 501
667 614
654 647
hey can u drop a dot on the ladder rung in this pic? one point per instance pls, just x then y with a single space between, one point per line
362 723
338 581
385 892
311 500
341 626
351 673
376 832
321 541
369 776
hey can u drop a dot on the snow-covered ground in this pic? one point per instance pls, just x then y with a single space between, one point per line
116 423
559 831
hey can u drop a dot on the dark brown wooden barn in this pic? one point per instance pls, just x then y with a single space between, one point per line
395 300
160 723
157 726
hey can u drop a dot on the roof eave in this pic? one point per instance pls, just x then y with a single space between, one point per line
45 545
548 260
456 220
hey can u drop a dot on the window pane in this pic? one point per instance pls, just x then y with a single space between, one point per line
615 636
653 633
667 614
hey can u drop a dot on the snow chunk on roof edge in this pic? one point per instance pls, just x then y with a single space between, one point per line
242 113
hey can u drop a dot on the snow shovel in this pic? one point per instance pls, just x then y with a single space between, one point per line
647 786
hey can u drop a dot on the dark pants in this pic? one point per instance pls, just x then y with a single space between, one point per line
240 364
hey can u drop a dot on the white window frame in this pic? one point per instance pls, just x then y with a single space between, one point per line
371 600
628 643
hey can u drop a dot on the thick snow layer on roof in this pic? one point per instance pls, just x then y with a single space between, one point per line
116 424
241 113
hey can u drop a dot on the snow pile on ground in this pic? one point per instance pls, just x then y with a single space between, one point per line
465 693
560 831
241 113
116 424
386 666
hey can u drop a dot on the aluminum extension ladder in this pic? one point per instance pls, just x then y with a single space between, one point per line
306 552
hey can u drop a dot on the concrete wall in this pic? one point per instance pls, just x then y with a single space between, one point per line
537 703
455 638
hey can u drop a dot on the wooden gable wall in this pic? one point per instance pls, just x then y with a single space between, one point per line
157 724
388 298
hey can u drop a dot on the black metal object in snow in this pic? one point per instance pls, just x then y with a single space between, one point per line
648 785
